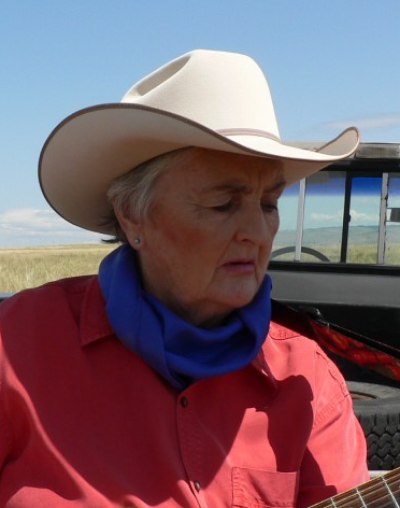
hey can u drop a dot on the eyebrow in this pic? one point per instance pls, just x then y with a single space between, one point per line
245 189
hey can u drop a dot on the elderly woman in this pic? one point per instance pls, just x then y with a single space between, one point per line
164 381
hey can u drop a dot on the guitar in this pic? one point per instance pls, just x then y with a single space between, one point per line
380 492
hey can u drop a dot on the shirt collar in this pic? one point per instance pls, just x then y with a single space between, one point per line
94 324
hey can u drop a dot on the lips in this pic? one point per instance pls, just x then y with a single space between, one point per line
240 265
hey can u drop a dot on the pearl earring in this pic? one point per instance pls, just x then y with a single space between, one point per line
137 240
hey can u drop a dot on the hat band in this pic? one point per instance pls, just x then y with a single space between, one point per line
248 132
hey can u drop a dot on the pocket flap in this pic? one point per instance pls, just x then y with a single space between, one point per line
258 488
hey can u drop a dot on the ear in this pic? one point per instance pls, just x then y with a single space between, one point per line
132 230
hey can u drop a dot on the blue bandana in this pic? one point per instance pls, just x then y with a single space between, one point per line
179 351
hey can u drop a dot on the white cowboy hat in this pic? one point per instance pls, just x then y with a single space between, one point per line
210 99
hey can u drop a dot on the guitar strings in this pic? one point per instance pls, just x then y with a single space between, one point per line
380 489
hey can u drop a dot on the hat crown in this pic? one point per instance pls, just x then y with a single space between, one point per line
220 90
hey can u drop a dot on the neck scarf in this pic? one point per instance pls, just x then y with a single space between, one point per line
179 351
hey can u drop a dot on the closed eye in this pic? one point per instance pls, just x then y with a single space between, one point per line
224 207
269 207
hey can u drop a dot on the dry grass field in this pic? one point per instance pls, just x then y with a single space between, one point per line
31 266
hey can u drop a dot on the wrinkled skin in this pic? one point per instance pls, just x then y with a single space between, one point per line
206 241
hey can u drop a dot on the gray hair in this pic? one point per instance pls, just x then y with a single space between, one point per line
133 193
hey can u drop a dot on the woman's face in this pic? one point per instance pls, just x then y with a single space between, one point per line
206 242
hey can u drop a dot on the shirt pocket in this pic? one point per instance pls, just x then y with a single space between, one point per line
255 488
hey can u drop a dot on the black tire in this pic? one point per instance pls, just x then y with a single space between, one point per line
377 408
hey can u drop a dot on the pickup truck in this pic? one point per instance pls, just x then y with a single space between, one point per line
336 259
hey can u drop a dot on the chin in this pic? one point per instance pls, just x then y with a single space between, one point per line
234 296
239 301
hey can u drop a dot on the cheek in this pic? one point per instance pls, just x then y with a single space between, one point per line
187 262
181 247
198 252
182 239
273 225
186 235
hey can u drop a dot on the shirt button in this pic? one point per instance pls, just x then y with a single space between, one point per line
184 402
197 486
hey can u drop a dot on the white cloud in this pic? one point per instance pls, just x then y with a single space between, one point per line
327 217
364 218
374 122
32 220
32 226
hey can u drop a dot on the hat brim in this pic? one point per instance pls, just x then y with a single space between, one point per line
92 147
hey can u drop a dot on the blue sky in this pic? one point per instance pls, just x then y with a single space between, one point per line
329 65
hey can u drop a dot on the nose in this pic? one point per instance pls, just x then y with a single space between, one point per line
257 227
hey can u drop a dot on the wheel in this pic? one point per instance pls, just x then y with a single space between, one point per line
377 408
306 250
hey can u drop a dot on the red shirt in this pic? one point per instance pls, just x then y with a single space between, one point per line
84 422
